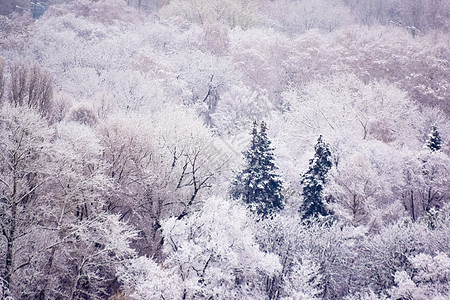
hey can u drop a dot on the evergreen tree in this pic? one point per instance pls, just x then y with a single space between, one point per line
313 182
258 185
434 140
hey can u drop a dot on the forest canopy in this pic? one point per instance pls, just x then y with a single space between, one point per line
233 149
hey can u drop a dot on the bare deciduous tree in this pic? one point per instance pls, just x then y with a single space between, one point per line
31 87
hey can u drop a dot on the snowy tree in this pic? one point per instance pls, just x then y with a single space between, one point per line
315 257
95 249
160 165
304 280
31 87
313 182
236 13
425 186
434 140
366 183
210 254
143 278
258 185
432 273
293 16
77 195
25 170
429 279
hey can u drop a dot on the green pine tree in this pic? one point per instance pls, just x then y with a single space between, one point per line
258 185
434 140
313 182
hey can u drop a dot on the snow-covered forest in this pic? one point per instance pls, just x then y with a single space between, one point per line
224 149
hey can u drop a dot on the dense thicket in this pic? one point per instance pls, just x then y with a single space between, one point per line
122 128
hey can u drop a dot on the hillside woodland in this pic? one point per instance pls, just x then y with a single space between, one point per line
225 149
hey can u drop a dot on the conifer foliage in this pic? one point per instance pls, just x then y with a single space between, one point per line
434 140
313 182
258 185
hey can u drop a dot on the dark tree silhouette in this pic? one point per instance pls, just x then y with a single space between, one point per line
313 182
258 185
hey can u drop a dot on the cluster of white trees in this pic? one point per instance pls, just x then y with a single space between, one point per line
121 133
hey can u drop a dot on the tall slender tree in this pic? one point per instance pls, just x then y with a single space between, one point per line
434 140
258 185
313 182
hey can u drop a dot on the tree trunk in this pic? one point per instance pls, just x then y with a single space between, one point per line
412 206
10 236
